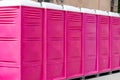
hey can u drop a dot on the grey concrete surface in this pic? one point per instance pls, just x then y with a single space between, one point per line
109 77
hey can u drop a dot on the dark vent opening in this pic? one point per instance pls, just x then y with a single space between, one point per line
44 0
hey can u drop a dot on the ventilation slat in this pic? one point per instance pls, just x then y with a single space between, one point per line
55 15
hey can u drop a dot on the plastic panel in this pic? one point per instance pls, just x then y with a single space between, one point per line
103 43
55 44
31 71
89 43
12 54
8 23
10 73
31 43
115 42
73 44
9 43
8 39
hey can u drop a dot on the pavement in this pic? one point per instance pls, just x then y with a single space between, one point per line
115 76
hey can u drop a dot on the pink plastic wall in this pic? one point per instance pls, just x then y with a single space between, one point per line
20 43
103 43
115 42
31 54
10 43
89 44
73 44
54 45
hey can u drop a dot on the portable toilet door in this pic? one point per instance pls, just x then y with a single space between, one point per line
73 29
115 40
89 41
32 40
103 36
20 40
54 61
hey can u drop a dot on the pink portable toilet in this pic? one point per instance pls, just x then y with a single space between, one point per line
20 40
54 61
89 41
115 40
73 29
103 41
